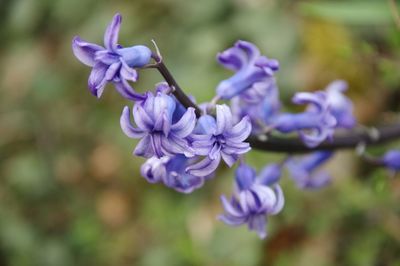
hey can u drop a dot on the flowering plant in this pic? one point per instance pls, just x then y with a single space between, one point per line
184 143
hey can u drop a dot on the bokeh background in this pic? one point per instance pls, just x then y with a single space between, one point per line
71 192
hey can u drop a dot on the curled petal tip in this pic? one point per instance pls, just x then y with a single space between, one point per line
85 51
112 31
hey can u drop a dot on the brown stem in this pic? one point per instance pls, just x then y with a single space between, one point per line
347 140
177 91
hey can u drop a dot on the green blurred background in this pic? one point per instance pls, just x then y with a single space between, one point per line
71 192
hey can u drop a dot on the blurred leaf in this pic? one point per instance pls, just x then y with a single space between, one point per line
357 13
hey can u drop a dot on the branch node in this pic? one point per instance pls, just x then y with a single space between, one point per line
262 137
360 148
158 56
374 133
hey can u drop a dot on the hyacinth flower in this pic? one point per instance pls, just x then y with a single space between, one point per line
253 201
171 172
112 63
391 160
218 138
314 125
261 113
341 107
259 91
251 68
159 135
306 173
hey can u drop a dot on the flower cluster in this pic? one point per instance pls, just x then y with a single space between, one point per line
255 198
183 150
184 146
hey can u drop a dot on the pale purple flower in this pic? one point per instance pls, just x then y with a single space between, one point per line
314 125
341 107
391 160
171 172
306 172
250 66
218 138
112 63
159 135
261 105
253 201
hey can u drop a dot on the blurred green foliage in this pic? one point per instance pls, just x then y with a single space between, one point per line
71 193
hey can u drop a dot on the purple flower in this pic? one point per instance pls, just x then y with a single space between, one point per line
305 170
171 171
253 201
391 160
159 135
219 138
251 68
341 107
314 125
260 104
112 63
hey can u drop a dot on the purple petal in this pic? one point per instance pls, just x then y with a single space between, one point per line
313 137
236 148
177 145
127 72
230 159
391 159
318 99
161 123
240 131
204 168
142 119
97 80
154 169
127 127
202 149
144 148
224 118
85 51
106 57
201 138
232 58
206 125
270 174
112 71
185 125
229 208
156 140
231 220
127 91
215 151
188 151
251 50
318 180
136 56
184 183
257 223
112 31
244 176
337 85
280 200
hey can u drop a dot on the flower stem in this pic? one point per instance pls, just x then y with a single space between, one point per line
177 92
347 140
